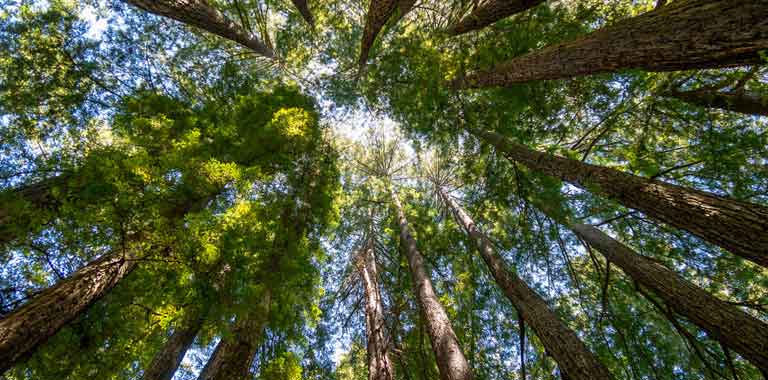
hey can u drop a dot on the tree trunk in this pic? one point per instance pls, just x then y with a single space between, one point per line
168 359
490 12
724 322
26 328
379 364
739 101
683 35
739 227
450 359
303 7
200 14
22 206
379 11
570 353
234 354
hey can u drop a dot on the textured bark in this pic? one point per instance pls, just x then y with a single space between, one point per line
570 353
303 7
450 359
20 206
168 359
490 12
379 12
200 14
379 364
233 355
25 329
683 35
723 322
741 102
739 227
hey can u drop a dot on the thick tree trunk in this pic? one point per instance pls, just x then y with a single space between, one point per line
490 12
741 102
683 35
450 359
200 14
303 7
379 11
22 331
739 227
379 364
233 355
724 322
168 359
570 353
21 208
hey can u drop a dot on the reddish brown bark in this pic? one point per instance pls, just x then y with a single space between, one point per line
379 364
168 359
490 12
379 12
683 35
450 359
303 7
572 356
25 329
723 322
739 227
738 101
200 14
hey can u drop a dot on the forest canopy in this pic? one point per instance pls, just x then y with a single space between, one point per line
381 189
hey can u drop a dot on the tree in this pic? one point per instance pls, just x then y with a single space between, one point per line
490 12
736 226
303 7
379 12
684 35
736 101
168 359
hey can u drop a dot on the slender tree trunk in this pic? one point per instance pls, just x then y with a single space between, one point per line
683 35
22 208
379 364
570 353
233 355
724 322
490 12
739 227
168 359
25 329
303 7
200 14
739 101
450 359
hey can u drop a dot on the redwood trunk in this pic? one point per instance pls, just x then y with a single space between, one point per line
379 11
739 227
20 207
683 35
168 359
303 7
379 364
450 359
572 356
22 331
490 12
724 322
200 14
741 102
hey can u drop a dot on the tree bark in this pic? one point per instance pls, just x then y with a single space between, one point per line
234 354
379 364
490 12
739 227
724 322
739 101
379 11
450 359
303 7
683 35
200 14
168 359
570 353
26 328
20 207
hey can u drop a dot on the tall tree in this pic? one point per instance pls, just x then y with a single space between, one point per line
167 360
306 13
740 101
724 322
450 358
21 207
739 227
570 353
200 14
379 12
683 35
489 12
